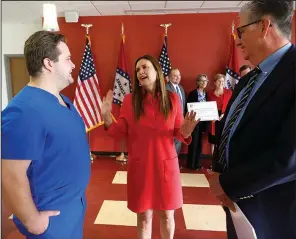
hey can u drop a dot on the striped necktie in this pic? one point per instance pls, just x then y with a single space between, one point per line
227 128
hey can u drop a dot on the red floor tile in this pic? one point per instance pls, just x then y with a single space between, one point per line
101 188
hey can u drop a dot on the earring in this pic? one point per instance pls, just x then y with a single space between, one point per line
140 84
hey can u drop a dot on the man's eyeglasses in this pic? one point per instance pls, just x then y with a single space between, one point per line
239 29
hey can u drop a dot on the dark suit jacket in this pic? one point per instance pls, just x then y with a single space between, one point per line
193 97
170 87
262 151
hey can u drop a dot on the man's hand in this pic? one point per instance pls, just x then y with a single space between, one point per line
214 182
17 195
39 224
226 202
218 191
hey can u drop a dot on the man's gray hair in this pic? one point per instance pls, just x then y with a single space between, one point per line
281 13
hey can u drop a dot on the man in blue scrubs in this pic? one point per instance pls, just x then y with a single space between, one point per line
45 153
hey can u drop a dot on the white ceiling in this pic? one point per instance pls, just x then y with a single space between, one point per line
31 11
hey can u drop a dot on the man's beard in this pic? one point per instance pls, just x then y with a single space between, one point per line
62 82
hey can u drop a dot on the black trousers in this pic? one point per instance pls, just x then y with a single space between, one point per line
195 148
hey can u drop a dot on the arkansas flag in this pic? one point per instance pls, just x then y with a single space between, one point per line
232 68
122 84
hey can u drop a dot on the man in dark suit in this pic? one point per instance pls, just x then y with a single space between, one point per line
255 159
174 86
244 69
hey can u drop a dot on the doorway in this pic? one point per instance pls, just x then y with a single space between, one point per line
18 73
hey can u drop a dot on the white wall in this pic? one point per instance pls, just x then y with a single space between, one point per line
14 36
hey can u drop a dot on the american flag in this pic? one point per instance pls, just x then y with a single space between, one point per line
232 68
164 59
87 95
122 84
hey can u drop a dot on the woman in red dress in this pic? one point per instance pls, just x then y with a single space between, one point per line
222 97
150 118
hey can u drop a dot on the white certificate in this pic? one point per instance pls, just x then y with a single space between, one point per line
205 111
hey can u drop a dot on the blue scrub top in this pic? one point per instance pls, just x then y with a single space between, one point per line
35 126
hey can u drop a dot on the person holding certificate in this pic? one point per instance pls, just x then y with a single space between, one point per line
150 118
222 97
244 69
195 148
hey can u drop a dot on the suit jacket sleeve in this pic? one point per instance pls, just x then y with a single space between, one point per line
276 166
170 87
167 86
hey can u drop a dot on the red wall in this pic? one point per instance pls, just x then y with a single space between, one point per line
197 43
294 28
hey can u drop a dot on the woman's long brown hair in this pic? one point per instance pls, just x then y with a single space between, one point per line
138 94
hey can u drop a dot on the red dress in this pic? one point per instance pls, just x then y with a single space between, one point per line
221 101
153 175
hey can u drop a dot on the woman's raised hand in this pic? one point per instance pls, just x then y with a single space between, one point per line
189 124
107 107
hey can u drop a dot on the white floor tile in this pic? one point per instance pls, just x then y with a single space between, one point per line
204 217
116 213
187 179
194 180
120 177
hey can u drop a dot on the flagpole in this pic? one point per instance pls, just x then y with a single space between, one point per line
122 157
166 26
87 27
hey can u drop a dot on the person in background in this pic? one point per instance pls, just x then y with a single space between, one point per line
222 97
244 69
195 148
150 118
45 153
255 159
174 86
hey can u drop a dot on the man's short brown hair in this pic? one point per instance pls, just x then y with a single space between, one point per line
171 70
244 67
41 45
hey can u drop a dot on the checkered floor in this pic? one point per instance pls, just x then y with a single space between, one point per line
108 217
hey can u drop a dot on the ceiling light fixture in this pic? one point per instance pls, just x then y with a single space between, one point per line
50 21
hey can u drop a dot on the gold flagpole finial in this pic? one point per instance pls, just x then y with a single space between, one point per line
87 26
232 27
122 29
166 27
122 32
